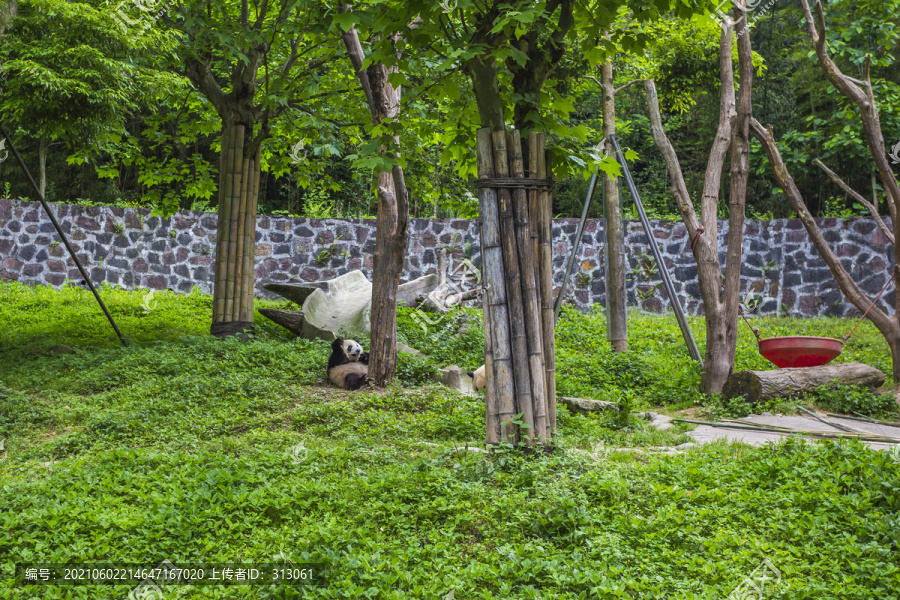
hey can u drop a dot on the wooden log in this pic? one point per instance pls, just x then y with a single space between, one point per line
530 300
510 251
760 386
500 374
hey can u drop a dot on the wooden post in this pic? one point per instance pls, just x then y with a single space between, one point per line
500 369
530 299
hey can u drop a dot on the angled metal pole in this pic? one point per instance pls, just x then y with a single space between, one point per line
574 252
693 350
60 232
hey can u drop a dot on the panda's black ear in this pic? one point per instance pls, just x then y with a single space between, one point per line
471 374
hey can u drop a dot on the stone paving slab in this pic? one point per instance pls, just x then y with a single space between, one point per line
704 433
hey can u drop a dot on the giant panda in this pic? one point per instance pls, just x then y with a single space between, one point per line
479 378
348 365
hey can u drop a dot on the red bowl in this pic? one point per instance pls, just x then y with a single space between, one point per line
800 351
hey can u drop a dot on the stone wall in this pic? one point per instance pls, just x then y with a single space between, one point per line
782 272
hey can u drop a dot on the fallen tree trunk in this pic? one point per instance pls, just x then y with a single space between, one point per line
759 386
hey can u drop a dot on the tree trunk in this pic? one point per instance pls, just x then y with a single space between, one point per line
391 239
392 220
616 317
233 292
8 10
42 165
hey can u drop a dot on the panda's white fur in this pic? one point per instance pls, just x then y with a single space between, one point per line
479 378
348 365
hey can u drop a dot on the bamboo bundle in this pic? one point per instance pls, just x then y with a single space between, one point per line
510 251
500 401
530 300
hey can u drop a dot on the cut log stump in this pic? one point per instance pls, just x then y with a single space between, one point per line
760 386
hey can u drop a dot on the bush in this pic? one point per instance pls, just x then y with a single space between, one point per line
847 399
413 370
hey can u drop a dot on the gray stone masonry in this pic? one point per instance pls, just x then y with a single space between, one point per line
782 272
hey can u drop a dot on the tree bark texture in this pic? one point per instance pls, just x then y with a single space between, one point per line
760 386
616 316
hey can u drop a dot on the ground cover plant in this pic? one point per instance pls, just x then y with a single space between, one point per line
190 449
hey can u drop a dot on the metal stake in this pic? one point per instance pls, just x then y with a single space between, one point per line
663 270
60 232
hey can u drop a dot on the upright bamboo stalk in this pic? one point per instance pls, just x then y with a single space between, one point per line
248 242
499 370
222 230
548 321
509 247
540 214
530 296
240 263
238 192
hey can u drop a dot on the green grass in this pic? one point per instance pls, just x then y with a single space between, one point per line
182 447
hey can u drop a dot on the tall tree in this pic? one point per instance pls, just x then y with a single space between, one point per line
252 63
861 94
720 302
72 74
392 222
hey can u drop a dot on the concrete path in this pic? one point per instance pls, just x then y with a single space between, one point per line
705 433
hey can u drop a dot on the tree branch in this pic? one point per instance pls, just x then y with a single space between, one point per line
849 287
864 101
873 210
627 85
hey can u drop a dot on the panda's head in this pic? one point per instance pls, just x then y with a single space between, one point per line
352 349
479 378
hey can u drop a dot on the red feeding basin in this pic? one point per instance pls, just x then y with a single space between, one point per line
800 351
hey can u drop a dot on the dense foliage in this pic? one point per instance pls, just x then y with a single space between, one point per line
119 108
185 448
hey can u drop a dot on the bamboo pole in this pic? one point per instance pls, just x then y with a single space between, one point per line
509 248
238 194
543 222
248 242
530 301
225 159
240 263
500 375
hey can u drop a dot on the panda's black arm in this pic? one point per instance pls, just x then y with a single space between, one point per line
364 358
